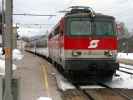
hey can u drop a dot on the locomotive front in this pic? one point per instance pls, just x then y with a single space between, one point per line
90 43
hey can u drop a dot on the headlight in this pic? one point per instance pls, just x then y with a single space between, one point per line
76 53
108 53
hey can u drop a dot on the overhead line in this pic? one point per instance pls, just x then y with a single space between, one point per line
27 14
70 2
67 6
35 24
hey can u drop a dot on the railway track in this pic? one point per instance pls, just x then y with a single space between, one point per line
126 68
74 95
131 73
119 92
106 93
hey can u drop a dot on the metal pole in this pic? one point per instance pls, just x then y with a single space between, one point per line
127 47
21 44
3 22
8 50
34 47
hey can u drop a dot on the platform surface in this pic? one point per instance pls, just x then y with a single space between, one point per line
32 85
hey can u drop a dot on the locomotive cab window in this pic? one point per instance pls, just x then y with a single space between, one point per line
79 26
104 28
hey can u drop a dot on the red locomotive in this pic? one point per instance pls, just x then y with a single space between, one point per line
85 42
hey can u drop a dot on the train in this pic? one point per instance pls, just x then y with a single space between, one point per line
84 42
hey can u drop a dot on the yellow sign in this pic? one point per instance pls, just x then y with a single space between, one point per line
7 52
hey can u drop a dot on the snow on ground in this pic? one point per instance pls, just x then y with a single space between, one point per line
2 67
126 66
44 98
125 56
124 81
63 83
17 55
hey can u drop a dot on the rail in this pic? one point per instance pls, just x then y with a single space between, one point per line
121 93
90 97
126 68
131 73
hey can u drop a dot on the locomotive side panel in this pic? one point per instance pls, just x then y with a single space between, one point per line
56 43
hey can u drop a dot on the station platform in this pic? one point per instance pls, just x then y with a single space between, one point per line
36 79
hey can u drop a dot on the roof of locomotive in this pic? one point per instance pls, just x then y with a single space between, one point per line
96 15
82 13
78 11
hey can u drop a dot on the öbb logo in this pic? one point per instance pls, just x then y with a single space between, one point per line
93 43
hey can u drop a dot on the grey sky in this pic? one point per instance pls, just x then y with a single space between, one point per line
121 9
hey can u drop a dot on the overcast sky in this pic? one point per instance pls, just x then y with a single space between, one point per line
121 9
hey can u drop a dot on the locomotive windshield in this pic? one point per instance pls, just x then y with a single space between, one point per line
86 27
80 27
104 28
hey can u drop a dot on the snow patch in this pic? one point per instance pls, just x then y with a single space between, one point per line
17 55
125 56
123 81
44 98
2 67
63 84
